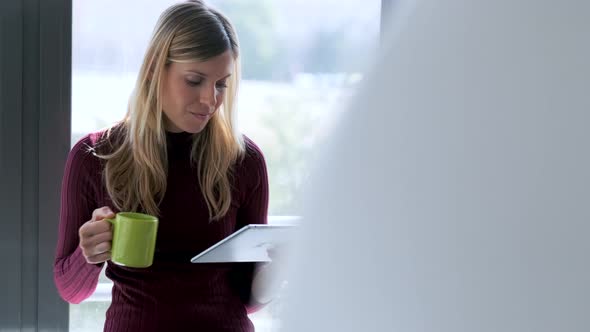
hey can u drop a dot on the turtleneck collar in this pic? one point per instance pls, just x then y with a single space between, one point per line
179 142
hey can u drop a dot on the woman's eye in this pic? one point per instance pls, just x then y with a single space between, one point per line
221 86
193 83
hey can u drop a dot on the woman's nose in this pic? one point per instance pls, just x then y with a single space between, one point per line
208 96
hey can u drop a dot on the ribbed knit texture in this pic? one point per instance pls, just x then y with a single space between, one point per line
173 294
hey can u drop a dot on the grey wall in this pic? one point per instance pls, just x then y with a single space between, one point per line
35 58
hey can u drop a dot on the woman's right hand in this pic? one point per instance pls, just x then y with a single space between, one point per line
96 235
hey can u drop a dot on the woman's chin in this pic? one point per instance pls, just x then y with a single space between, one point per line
194 129
192 125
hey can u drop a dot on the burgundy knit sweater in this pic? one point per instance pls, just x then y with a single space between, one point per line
173 294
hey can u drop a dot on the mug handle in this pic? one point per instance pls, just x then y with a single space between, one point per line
111 220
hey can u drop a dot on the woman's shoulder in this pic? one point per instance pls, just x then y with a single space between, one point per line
252 150
253 157
251 170
252 162
99 142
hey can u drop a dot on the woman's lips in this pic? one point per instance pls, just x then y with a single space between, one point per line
200 116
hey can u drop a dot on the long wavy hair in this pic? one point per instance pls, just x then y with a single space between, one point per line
136 166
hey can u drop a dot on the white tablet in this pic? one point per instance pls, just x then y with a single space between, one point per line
248 244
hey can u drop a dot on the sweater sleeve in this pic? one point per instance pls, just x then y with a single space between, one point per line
76 279
253 210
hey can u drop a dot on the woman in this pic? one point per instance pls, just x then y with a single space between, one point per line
176 155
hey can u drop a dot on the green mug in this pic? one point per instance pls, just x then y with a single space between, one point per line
134 239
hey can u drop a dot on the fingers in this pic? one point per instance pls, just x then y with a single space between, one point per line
96 236
101 248
102 213
274 252
89 242
99 258
101 237
92 228
96 249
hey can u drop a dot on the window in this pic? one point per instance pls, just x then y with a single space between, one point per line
300 61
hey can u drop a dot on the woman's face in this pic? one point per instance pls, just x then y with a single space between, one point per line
192 92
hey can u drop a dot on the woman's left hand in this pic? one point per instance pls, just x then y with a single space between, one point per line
270 277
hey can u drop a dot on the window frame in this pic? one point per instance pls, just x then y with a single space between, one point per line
35 90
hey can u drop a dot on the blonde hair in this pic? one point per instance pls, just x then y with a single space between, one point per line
135 171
